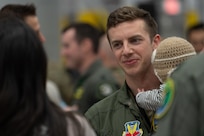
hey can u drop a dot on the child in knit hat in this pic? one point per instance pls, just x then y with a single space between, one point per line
170 53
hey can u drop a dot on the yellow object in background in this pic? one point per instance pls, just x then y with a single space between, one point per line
191 19
95 18
64 21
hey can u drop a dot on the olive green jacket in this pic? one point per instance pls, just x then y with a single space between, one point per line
183 112
96 84
119 115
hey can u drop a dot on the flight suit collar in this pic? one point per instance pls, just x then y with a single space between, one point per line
92 68
127 98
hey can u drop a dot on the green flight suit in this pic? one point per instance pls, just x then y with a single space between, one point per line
56 73
93 86
119 115
184 102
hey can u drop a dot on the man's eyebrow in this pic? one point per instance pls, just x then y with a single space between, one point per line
132 37
115 41
135 36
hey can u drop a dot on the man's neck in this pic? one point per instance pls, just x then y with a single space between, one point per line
146 82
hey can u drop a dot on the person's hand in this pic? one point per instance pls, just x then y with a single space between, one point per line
71 108
140 90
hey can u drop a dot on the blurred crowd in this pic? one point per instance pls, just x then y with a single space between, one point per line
120 80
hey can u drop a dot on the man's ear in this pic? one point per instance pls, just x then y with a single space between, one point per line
156 41
86 45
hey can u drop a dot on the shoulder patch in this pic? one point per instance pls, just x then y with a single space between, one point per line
105 89
79 93
169 91
132 128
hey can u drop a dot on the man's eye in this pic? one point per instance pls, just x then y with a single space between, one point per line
135 41
116 45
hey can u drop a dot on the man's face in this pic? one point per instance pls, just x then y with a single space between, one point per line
132 46
196 38
71 50
33 22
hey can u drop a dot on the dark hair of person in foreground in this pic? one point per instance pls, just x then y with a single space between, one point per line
25 108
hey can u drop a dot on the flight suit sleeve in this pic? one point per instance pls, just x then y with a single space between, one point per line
182 114
78 125
93 118
88 130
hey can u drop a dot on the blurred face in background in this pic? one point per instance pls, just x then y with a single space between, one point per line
33 22
71 50
106 54
196 38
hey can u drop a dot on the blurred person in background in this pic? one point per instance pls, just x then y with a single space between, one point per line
195 35
133 35
184 103
27 13
109 60
25 107
80 45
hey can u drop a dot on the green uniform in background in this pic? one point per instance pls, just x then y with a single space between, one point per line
183 111
93 86
58 74
119 115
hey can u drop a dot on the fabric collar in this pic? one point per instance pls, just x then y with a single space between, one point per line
127 98
92 68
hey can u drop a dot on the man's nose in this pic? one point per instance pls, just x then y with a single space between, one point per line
127 49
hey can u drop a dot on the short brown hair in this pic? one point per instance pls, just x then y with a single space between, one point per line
83 31
125 14
196 27
18 10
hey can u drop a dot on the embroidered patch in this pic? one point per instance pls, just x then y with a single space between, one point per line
132 129
78 94
105 89
169 91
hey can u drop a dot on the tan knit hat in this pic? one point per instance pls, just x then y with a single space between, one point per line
169 54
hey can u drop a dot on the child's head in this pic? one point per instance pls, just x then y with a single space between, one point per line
171 52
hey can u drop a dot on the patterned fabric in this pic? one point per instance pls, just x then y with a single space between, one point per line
151 99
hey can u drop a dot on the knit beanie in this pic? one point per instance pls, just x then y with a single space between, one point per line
169 54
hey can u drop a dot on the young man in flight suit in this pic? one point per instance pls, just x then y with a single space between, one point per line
132 35
80 43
